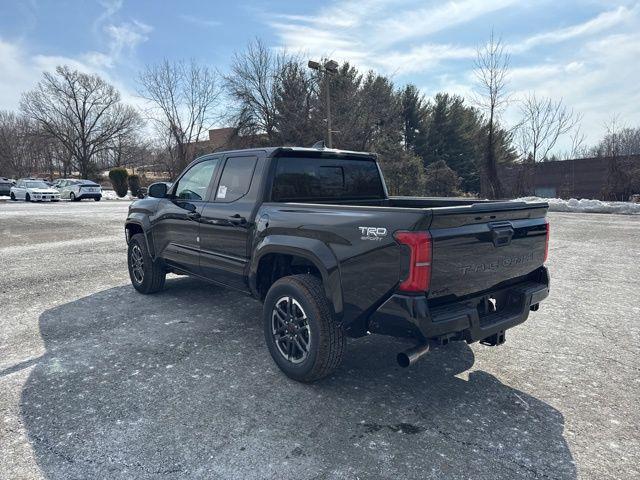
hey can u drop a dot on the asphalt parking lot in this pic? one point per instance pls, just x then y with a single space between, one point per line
97 381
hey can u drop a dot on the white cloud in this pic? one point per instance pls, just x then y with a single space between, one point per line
121 42
424 57
594 73
599 82
422 22
23 69
373 33
600 23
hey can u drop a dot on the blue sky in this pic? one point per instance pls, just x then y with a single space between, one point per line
585 53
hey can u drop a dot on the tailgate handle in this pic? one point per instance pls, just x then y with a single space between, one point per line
501 235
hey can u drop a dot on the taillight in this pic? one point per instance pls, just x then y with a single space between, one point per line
419 244
546 242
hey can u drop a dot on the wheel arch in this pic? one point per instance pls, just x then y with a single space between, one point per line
295 251
133 227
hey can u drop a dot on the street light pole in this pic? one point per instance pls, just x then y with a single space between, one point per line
327 84
329 68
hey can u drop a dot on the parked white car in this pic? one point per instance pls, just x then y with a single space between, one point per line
78 189
32 190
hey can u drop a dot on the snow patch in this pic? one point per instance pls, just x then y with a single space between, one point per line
111 195
585 205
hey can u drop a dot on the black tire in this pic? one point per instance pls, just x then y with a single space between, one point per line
72 197
27 197
327 340
97 199
13 197
153 274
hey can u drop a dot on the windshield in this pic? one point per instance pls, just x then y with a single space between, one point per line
37 185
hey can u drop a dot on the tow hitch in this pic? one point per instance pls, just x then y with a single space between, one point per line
494 340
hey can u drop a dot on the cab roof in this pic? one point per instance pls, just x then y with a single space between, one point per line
303 151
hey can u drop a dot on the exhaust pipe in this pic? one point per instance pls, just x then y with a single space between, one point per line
412 355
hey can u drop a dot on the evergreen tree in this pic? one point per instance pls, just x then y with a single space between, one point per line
294 100
414 115
453 134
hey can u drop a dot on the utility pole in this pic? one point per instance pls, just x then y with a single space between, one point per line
329 68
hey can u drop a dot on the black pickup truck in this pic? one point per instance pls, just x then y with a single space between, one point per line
314 235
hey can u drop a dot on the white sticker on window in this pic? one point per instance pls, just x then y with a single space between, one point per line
222 191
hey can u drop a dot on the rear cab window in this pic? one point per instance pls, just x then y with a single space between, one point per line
236 178
307 179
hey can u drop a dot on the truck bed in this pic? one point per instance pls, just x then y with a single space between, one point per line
466 258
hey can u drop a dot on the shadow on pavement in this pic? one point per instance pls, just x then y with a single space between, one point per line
180 384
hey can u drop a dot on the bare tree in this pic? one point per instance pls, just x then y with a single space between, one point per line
578 147
619 140
491 70
543 123
253 84
82 111
16 145
184 100
127 150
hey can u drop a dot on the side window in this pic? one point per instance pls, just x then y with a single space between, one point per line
235 179
194 184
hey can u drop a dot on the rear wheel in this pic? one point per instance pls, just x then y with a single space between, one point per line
303 338
13 196
97 199
72 197
27 198
146 275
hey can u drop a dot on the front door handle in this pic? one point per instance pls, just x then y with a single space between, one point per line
193 215
237 219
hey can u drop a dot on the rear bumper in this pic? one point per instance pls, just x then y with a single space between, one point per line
89 195
470 320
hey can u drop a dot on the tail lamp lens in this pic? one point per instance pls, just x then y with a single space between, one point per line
420 246
546 242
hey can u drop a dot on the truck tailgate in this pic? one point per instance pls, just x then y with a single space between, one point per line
477 247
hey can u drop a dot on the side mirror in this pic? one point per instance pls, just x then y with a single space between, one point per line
158 190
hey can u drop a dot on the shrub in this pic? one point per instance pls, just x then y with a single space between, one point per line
118 178
441 180
403 173
134 185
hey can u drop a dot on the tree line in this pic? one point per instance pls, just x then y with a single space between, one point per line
445 145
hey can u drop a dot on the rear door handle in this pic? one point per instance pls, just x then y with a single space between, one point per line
237 219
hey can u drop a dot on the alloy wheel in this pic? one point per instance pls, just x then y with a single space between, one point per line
290 329
137 263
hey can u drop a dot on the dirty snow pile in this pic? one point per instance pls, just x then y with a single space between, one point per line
4 197
111 195
586 206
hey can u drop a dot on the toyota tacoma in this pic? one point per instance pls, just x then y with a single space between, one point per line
313 234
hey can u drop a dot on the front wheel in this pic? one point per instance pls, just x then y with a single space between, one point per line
97 199
146 275
303 338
